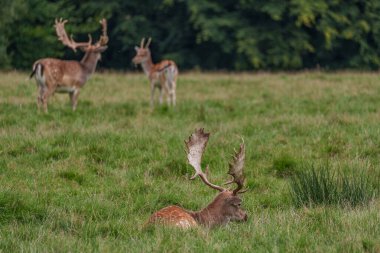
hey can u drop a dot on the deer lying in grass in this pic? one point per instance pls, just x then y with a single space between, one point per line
54 75
162 75
226 205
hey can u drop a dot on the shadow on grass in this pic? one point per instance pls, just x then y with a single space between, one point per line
72 176
15 207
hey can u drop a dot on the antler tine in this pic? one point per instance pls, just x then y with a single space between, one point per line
62 35
195 147
103 22
236 169
104 37
148 43
61 21
89 39
142 43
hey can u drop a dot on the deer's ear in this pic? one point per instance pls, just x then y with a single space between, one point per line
137 48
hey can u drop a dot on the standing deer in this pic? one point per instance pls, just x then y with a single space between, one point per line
226 205
162 75
55 75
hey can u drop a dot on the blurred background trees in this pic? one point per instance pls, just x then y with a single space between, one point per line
201 34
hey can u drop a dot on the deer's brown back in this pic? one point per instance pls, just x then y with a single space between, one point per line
62 73
162 64
156 73
173 216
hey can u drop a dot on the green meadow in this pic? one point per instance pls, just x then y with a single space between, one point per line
86 181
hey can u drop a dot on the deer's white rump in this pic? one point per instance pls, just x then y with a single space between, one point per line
55 75
162 75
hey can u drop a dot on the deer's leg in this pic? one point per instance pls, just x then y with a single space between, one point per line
39 98
161 95
152 94
42 89
171 76
171 85
172 94
173 99
168 95
71 95
44 99
74 98
164 86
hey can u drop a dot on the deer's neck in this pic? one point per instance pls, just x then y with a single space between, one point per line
210 216
147 66
89 62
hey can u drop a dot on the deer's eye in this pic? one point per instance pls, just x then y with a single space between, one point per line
237 204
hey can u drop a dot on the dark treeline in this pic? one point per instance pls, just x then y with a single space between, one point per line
201 34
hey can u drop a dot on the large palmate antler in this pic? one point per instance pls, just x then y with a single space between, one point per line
195 147
236 169
62 36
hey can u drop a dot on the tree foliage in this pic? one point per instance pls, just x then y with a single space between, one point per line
205 34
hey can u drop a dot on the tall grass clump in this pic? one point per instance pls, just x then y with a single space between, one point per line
321 186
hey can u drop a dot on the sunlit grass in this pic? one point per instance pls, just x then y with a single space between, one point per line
88 180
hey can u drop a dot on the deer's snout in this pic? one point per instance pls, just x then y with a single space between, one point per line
243 216
135 61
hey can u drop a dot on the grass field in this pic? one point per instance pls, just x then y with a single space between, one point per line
86 181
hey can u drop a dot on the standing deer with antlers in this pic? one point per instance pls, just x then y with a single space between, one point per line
55 75
162 75
227 204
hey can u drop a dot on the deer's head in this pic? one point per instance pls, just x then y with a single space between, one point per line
227 204
92 51
142 52
226 207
